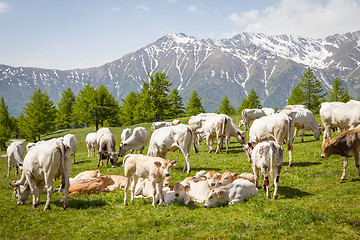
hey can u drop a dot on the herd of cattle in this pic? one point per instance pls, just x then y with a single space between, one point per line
46 161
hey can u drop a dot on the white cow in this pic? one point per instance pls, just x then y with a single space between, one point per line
295 107
91 143
44 163
125 134
176 193
228 177
237 191
249 115
106 147
339 115
70 141
304 119
137 141
157 125
144 187
85 176
15 153
154 168
266 156
167 139
277 127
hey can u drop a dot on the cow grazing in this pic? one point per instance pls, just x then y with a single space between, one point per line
154 168
339 115
125 134
176 193
172 138
106 147
346 145
137 141
93 187
231 130
304 119
237 191
277 127
15 153
266 156
85 176
91 144
44 163
70 141
249 115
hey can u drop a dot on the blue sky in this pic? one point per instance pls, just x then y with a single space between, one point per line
70 34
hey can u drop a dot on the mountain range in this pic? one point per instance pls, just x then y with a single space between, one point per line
272 65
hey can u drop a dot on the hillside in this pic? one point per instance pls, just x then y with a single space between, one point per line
272 65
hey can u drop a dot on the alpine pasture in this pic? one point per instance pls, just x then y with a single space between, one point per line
312 202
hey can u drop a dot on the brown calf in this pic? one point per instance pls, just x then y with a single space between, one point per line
96 186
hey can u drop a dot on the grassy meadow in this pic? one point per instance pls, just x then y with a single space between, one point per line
312 203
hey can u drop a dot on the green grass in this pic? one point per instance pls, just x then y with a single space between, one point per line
312 204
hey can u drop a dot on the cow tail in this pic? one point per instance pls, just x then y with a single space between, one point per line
62 151
290 136
193 140
126 157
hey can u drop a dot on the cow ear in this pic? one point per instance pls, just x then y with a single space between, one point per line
235 176
187 188
171 187
170 179
157 164
14 184
219 194
173 163
219 177
335 144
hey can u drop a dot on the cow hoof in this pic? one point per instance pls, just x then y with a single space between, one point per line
47 208
65 206
275 197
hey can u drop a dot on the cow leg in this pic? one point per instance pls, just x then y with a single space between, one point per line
290 157
209 143
356 156
220 142
302 134
127 185
153 192
99 159
187 163
17 170
264 173
276 181
227 141
9 167
345 159
142 149
159 195
133 186
256 176
49 190
74 157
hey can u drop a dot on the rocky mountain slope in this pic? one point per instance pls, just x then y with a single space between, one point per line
272 65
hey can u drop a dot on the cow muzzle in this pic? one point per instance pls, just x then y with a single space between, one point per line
167 175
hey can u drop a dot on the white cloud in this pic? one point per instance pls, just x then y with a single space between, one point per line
4 7
143 7
195 9
308 18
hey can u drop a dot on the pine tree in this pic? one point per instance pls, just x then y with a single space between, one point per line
176 108
5 124
194 106
244 105
159 89
38 116
129 109
312 89
253 100
337 92
65 115
297 96
106 106
225 107
144 106
85 107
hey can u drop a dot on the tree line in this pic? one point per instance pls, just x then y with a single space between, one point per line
155 102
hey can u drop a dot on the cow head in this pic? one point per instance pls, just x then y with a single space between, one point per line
214 197
166 166
167 181
227 178
113 157
212 178
317 133
122 149
199 176
180 190
328 148
248 149
21 192
241 136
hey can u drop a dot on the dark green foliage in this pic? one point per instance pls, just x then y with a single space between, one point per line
5 124
176 108
225 107
65 112
308 92
159 89
129 112
38 117
251 102
194 106
337 93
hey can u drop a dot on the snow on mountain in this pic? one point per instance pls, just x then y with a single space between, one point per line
272 65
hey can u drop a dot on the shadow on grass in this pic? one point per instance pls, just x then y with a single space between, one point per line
289 192
83 204
83 161
302 164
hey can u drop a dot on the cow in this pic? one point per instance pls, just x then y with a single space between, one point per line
237 191
91 144
45 162
176 193
231 130
106 147
85 176
144 187
157 125
70 141
304 119
339 115
228 177
154 168
295 107
125 134
266 156
15 152
172 138
249 115
346 145
29 146
277 127
95 186
119 182
137 141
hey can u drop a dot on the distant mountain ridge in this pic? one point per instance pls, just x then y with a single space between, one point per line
272 65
